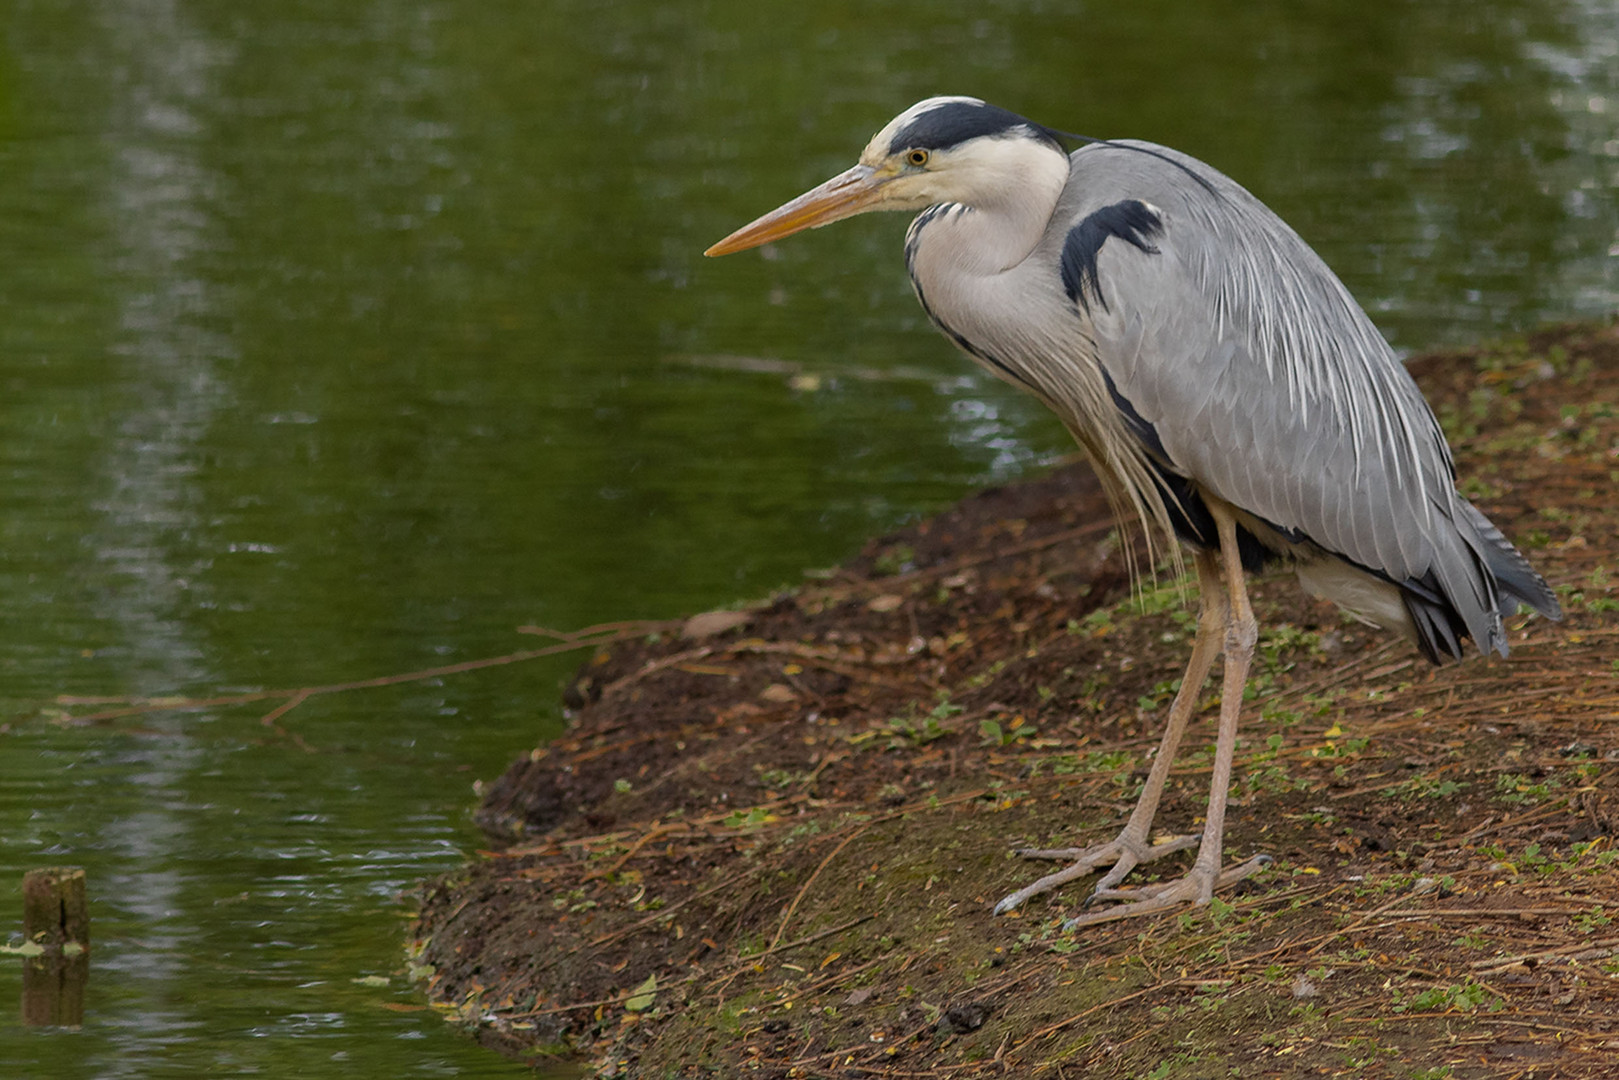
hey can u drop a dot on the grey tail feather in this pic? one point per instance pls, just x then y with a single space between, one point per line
1440 626
1515 578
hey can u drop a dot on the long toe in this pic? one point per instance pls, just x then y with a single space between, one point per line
1136 854
1045 884
1165 898
1124 852
1155 899
1233 874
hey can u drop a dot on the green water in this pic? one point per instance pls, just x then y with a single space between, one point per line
340 340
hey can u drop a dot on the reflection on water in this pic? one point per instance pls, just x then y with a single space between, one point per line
341 340
158 202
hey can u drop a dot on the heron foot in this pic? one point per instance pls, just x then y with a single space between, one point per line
1125 852
1195 889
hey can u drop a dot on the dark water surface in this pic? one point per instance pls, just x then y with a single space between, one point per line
339 340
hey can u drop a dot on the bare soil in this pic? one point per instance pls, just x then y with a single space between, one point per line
769 842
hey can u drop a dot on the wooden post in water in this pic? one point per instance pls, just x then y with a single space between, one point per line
56 917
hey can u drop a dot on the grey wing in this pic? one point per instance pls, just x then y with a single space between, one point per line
1266 385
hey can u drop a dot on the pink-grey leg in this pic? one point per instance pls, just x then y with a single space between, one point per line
1225 622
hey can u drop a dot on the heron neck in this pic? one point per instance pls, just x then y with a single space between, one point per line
970 261
987 236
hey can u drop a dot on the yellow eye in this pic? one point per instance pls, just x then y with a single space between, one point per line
918 158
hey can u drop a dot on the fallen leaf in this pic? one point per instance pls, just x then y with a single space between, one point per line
710 623
640 999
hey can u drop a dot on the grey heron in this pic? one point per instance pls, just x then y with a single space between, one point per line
1227 388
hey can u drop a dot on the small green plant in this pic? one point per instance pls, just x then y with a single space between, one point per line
995 735
1097 624
1113 761
778 778
1160 696
1338 747
907 731
1164 598
1275 640
1321 704
895 560
1591 856
1519 789
1466 996
1362 1051
749 819
913 728
1591 921
1260 684
572 900
1427 787
1273 778
1272 714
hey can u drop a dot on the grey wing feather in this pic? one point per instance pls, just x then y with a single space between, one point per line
1270 388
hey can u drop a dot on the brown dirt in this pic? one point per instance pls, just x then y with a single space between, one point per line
771 850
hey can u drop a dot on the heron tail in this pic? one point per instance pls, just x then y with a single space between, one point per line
1473 592
1516 581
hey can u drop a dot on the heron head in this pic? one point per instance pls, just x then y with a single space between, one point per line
942 150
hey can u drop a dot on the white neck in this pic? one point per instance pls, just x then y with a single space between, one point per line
1008 190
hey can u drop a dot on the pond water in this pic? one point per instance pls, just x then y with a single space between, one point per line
341 340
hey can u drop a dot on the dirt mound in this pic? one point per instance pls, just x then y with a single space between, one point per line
768 843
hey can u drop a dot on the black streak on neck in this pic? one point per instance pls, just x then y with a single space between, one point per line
913 239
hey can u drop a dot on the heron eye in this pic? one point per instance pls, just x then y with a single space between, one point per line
917 158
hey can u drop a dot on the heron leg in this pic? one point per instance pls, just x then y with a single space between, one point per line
1199 884
1134 845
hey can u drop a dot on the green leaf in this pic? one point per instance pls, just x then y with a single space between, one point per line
640 999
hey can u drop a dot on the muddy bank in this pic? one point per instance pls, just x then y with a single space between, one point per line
769 841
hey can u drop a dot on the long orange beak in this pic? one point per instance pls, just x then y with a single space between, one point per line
845 195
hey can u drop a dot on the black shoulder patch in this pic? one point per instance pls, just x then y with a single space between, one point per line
1132 221
956 122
